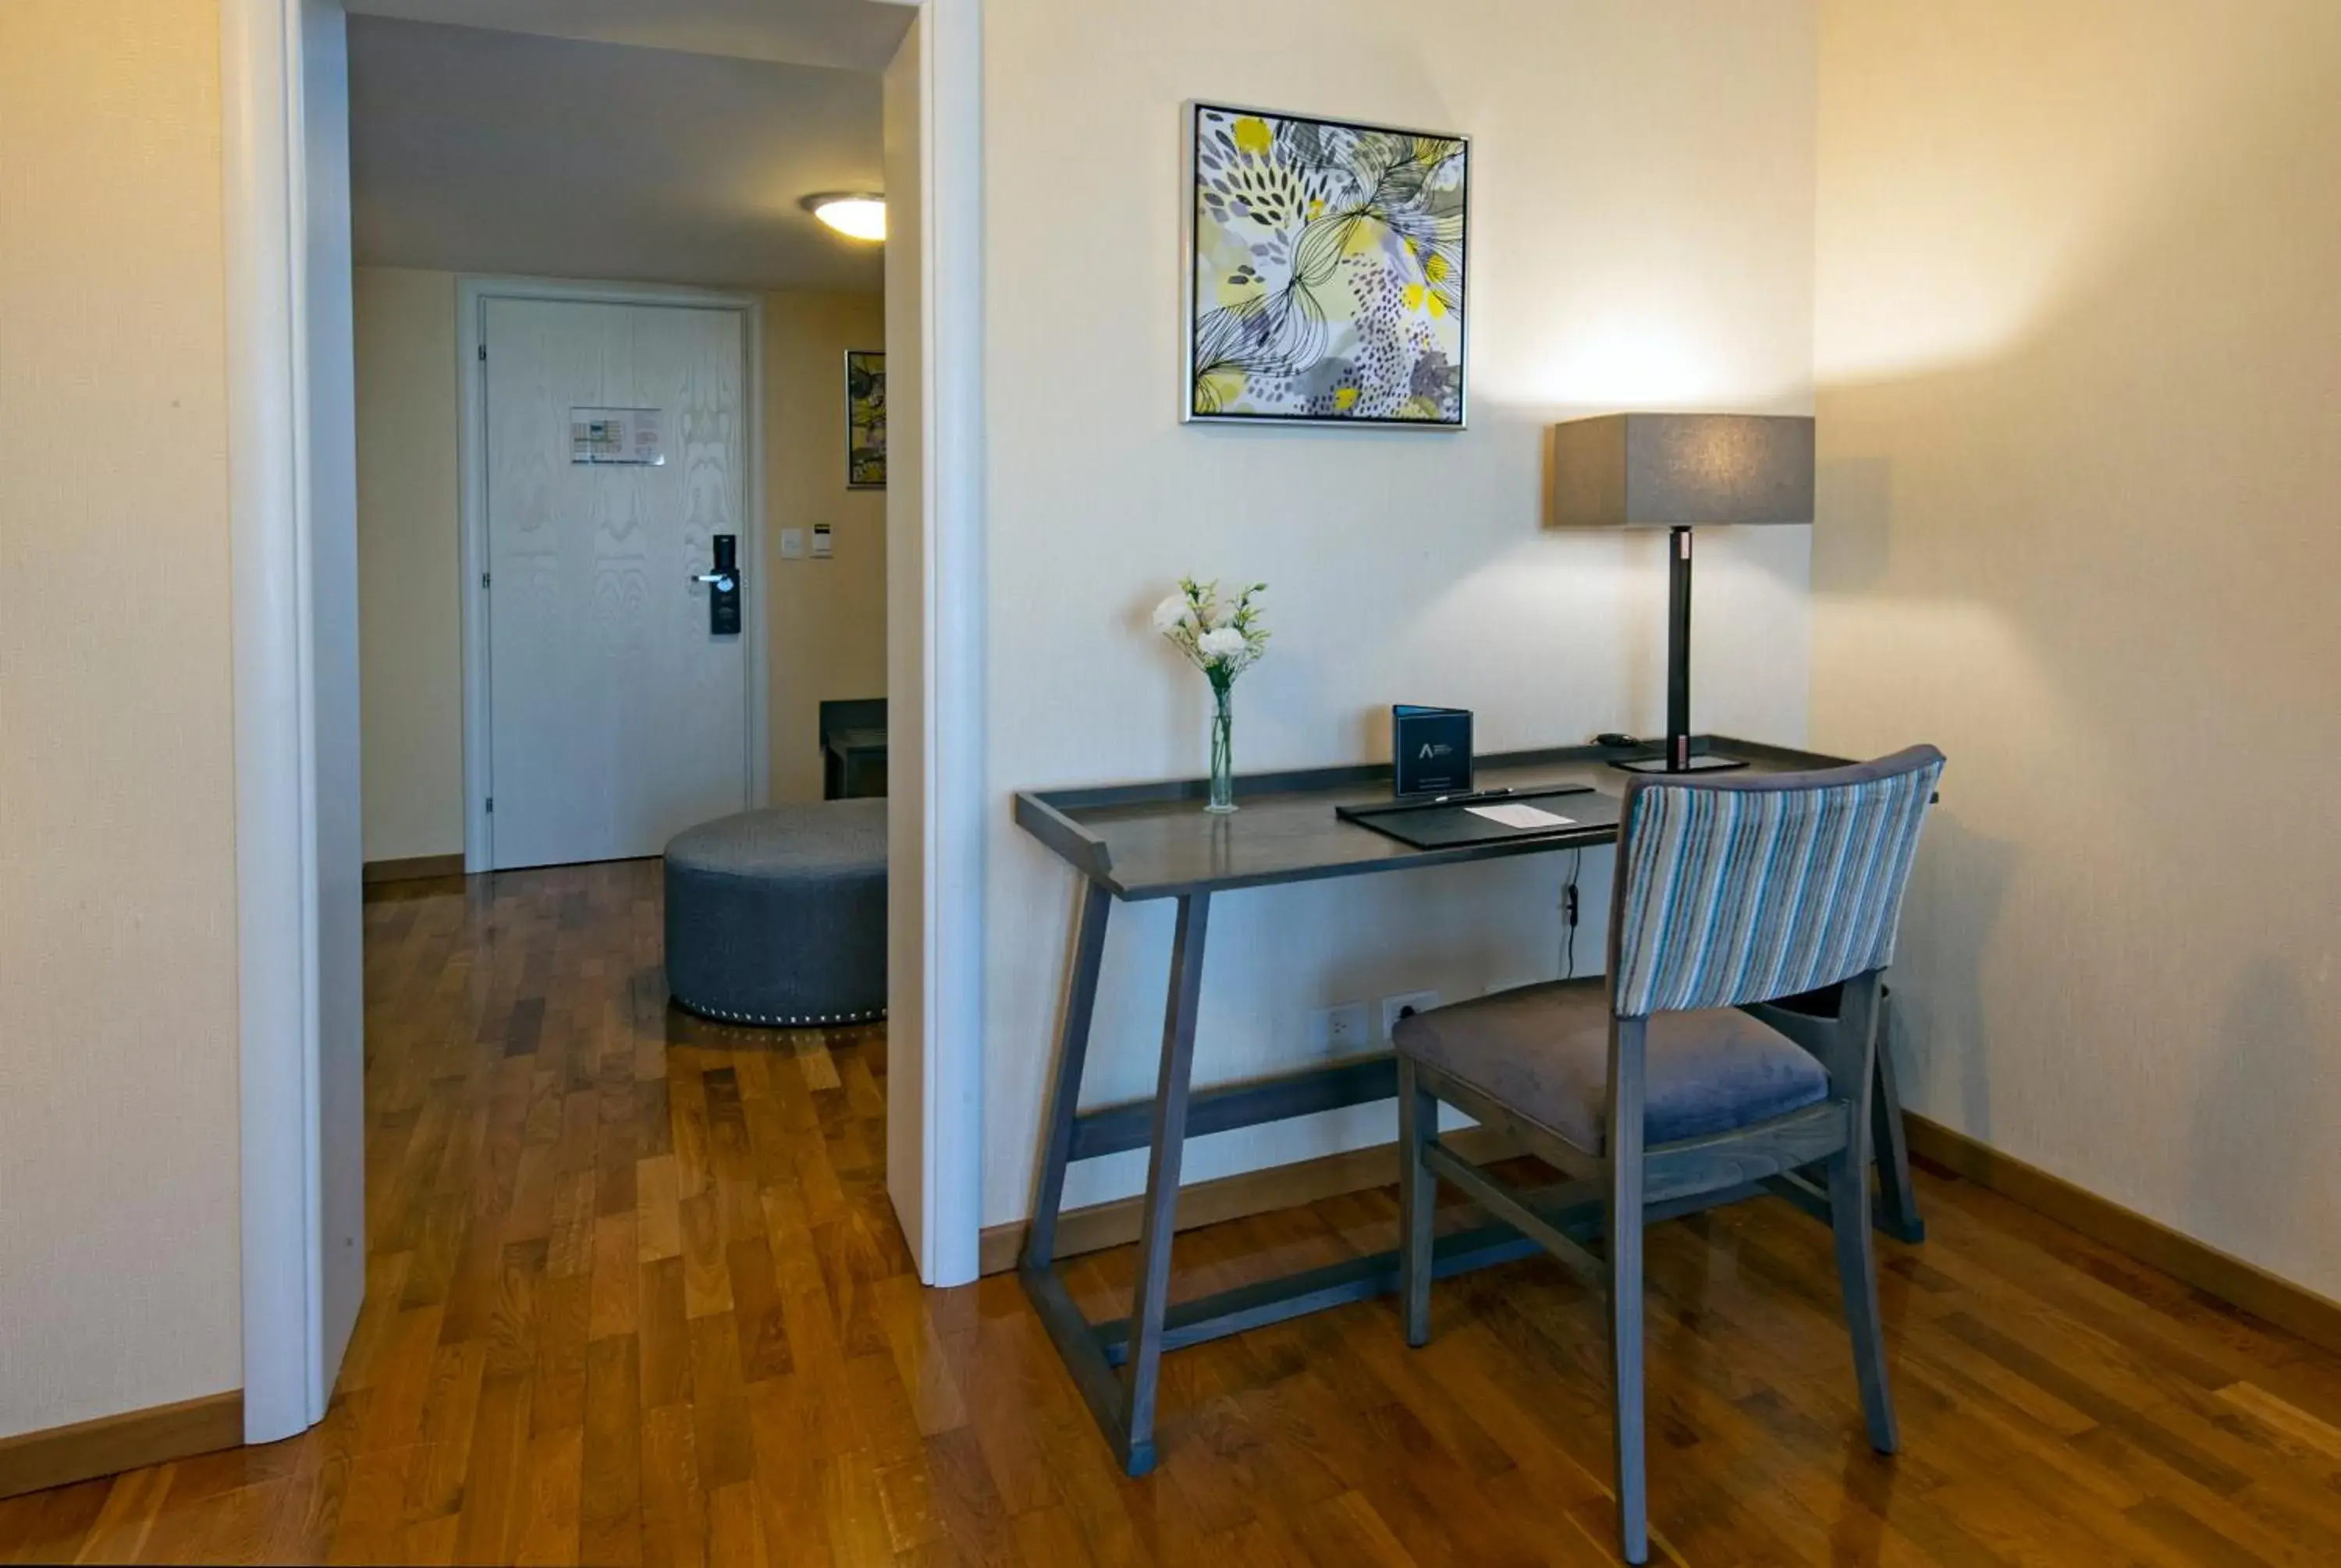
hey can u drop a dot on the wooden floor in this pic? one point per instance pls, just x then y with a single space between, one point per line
637 1297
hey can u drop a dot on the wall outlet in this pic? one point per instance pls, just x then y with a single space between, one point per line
1338 1030
1405 1002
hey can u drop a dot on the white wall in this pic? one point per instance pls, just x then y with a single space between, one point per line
1642 217
118 1054
2077 331
411 612
827 626
826 630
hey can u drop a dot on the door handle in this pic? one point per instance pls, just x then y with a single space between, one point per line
723 587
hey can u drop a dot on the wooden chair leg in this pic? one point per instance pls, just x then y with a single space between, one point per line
1857 1270
1417 1188
1889 1143
1848 1192
1625 1225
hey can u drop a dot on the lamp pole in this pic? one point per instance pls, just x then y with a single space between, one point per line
1678 652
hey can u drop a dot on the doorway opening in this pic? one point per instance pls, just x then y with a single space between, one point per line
321 347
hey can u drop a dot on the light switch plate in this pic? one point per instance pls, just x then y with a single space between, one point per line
792 545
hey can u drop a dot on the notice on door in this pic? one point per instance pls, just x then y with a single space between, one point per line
636 435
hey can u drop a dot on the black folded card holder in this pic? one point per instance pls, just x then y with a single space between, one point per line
1431 750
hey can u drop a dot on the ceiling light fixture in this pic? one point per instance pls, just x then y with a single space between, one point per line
857 214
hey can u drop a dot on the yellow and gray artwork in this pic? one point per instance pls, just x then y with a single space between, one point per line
1327 273
865 420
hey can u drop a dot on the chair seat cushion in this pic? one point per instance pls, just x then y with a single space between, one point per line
1543 1051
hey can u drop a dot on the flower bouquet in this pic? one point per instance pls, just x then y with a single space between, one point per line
1222 637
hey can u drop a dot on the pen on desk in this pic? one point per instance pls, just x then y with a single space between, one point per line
1473 795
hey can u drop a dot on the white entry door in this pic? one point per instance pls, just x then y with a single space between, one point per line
617 716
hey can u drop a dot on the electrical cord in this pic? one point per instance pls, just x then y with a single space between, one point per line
1568 917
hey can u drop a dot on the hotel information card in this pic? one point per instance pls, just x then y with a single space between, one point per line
1431 750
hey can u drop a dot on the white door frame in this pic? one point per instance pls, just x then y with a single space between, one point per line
264 178
955 809
276 914
472 294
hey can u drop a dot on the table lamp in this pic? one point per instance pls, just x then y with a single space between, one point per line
1681 471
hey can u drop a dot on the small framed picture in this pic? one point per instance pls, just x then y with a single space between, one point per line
1323 271
865 418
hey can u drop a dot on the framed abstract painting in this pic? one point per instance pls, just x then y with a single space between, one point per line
865 418
1324 265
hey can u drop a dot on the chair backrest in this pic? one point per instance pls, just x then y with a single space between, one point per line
1743 888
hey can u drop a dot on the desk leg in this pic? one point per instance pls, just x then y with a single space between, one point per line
1072 1054
1142 1372
1898 1207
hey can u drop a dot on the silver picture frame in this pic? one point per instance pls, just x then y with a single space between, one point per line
1192 111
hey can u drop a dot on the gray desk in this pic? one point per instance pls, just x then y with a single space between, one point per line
1141 841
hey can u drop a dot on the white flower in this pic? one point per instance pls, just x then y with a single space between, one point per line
1171 614
1224 642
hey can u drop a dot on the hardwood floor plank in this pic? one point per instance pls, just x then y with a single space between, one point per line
674 1508
494 1484
617 1284
448 1418
610 1523
736 1527
548 1532
664 1335
563 1322
760 1320
789 1484
719 1404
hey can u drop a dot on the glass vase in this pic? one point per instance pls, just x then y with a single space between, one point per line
1223 751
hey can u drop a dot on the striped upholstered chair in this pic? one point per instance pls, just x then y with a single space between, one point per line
1659 1087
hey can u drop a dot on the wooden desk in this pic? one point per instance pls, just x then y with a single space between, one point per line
1138 841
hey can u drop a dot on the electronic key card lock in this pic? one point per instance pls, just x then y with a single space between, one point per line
723 588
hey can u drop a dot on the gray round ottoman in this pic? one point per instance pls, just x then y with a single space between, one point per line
779 917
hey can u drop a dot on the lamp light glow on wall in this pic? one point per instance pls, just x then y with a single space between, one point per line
857 214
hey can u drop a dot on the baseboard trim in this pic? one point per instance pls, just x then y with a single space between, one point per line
414 869
2246 1285
2289 1307
61 1456
1116 1224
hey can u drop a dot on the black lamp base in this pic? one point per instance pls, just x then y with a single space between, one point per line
1705 762
1677 757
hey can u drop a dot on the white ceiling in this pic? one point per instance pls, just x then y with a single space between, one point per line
853 35
478 149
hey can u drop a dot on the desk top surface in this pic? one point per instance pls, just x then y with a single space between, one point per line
870 737
1154 840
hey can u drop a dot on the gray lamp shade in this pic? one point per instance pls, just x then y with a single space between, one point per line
1682 469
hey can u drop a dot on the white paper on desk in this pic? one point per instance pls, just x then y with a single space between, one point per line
1521 817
